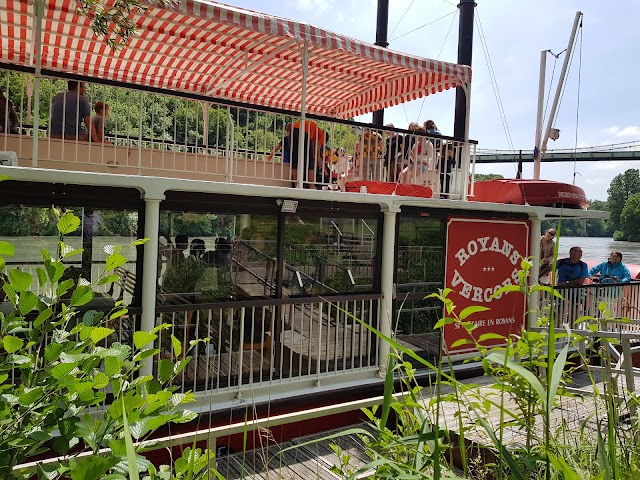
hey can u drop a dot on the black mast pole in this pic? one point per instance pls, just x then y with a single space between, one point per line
382 23
465 49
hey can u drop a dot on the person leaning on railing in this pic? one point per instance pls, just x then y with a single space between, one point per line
611 271
572 270
546 251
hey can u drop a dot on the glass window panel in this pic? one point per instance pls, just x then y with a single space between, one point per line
326 256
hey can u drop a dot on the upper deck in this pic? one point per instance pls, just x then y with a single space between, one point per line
204 91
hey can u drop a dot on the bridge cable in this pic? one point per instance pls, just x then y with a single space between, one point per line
575 146
494 82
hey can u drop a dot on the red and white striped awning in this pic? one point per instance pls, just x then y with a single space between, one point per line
220 51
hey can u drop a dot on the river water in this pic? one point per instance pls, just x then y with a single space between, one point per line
597 249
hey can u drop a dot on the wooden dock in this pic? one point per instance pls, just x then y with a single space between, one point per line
577 414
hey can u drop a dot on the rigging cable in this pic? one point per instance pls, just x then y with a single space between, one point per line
455 15
553 74
494 82
405 12
575 146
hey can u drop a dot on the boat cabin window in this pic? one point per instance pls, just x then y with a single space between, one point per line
420 271
33 228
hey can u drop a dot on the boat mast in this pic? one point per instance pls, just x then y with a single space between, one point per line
539 152
465 49
382 24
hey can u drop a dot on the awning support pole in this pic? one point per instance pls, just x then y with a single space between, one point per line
38 7
534 251
302 160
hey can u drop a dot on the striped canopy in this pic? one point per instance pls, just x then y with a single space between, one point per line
223 52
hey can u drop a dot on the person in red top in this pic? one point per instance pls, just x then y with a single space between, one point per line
315 139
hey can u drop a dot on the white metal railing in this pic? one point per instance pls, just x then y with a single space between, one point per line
266 342
148 133
601 301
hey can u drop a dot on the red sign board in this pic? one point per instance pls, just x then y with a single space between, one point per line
482 256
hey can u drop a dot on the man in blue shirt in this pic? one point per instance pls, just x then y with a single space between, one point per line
71 114
572 270
612 271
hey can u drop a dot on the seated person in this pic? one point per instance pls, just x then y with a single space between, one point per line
8 118
102 112
71 114
612 271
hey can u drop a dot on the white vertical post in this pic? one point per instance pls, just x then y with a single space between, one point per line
150 275
538 139
36 41
302 161
387 285
534 240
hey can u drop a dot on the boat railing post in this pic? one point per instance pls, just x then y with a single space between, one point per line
229 147
533 302
386 282
150 275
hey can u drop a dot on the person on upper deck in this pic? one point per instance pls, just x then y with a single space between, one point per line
71 114
547 245
284 145
612 271
447 162
393 153
102 112
431 128
314 142
8 117
572 270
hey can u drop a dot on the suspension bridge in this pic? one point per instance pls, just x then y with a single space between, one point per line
604 153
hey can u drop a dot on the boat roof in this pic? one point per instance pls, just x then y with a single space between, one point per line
224 52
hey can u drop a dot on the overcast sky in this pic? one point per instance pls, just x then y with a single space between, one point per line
514 32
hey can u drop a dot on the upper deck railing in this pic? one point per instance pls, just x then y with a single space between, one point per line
156 133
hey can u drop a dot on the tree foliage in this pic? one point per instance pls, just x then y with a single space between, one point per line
621 188
630 218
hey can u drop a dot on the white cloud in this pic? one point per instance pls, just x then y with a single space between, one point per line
612 130
630 131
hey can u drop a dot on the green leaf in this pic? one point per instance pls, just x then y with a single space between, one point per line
471 310
92 467
19 280
61 370
115 260
112 366
177 346
500 359
81 296
444 321
100 333
140 241
461 341
100 380
131 452
42 317
12 344
68 223
7 249
108 279
29 397
165 369
28 301
64 286
42 276
490 336
142 339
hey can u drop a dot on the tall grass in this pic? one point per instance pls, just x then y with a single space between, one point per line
521 427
